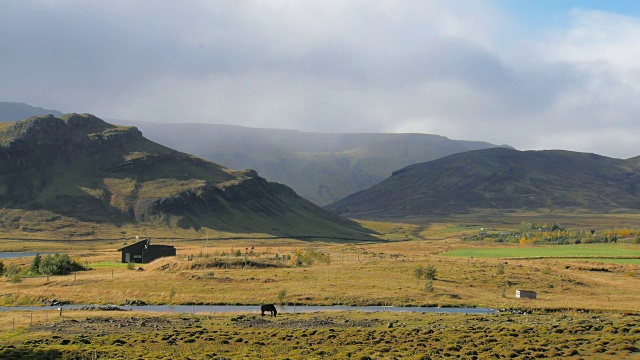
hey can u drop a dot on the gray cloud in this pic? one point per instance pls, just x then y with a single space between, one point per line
442 67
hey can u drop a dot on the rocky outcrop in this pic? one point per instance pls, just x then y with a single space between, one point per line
67 133
81 167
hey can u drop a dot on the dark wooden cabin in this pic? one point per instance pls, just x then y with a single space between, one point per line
142 252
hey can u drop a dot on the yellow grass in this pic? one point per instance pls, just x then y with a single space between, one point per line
358 274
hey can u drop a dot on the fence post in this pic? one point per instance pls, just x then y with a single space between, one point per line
13 325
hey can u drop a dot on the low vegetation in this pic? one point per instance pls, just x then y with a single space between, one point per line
585 306
335 335
531 233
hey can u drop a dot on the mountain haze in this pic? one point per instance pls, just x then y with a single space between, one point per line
13 111
321 167
71 171
502 179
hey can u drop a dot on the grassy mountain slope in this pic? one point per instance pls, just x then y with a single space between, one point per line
502 179
321 167
74 171
13 111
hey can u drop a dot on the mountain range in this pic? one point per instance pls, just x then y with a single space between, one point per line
70 172
14 111
502 179
321 167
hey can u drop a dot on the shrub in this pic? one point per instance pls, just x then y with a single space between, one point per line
500 269
428 286
427 272
15 273
1 268
309 256
131 266
281 294
35 264
58 264
430 272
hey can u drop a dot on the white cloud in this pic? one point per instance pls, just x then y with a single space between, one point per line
455 68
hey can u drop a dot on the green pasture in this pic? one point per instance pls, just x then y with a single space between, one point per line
107 265
616 252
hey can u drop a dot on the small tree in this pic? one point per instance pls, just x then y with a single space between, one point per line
14 273
425 272
428 286
35 264
430 272
281 294
1 268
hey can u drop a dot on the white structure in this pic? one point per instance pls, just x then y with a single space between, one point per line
524 294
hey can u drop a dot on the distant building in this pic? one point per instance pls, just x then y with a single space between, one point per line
142 252
524 294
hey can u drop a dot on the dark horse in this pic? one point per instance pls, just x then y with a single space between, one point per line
270 308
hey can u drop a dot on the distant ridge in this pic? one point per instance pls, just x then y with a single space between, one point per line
321 167
505 180
14 111
75 173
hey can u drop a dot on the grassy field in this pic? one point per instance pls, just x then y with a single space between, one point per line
594 252
582 295
332 335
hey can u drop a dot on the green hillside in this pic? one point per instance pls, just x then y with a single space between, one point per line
69 173
502 179
321 167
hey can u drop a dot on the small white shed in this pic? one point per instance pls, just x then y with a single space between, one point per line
524 294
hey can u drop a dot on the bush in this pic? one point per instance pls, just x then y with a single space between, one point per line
309 256
428 272
15 273
281 294
1 268
58 264
35 264
428 286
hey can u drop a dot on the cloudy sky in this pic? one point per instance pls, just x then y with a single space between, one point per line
538 74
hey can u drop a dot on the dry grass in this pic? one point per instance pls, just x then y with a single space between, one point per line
358 274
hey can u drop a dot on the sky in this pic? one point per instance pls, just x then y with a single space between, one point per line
533 74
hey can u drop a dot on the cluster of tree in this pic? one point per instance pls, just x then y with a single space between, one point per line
56 264
532 233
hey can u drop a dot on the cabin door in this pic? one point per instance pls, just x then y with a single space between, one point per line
127 257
